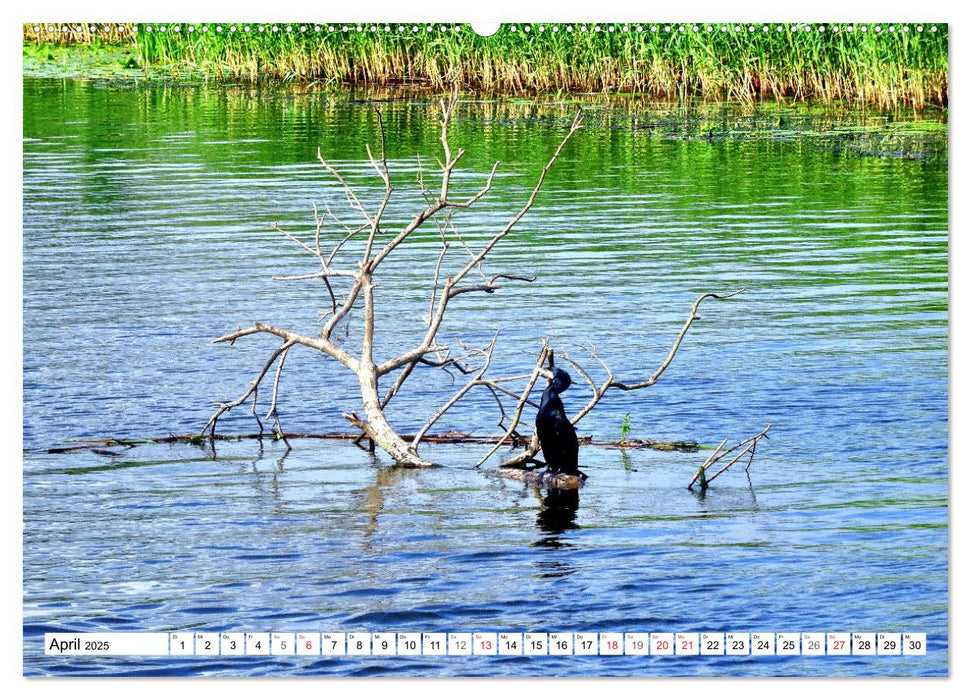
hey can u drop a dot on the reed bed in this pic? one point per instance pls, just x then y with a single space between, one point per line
888 65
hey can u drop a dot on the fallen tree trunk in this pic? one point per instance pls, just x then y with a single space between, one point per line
450 438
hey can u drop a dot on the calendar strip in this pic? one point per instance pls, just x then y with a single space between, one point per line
316 644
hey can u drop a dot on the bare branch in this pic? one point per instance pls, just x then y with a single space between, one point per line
382 170
502 409
511 378
450 162
537 369
349 192
574 127
272 413
388 190
254 386
325 346
438 269
467 249
420 178
402 376
350 234
475 380
714 454
494 384
318 223
564 355
367 340
487 288
276 227
518 278
692 317
345 308
421 218
749 448
321 274
452 281
480 194
442 202
276 384
611 382
256 393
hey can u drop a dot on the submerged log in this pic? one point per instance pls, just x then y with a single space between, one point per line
451 437
544 478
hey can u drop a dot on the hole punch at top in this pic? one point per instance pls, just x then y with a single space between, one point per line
486 28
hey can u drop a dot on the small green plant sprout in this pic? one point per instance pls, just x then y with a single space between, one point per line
625 428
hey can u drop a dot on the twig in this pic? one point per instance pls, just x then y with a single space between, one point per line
273 403
749 448
692 317
524 397
349 192
252 389
475 380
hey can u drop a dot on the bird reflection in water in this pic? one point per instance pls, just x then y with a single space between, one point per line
559 513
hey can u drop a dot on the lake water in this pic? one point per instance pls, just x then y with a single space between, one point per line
147 233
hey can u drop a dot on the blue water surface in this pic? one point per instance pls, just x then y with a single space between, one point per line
147 233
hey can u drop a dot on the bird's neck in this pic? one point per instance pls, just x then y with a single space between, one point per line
551 399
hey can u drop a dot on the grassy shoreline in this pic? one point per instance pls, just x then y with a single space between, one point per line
881 65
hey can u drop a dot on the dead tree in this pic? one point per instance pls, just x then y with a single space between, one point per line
348 286
349 280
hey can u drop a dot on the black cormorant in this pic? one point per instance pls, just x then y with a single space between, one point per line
557 436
